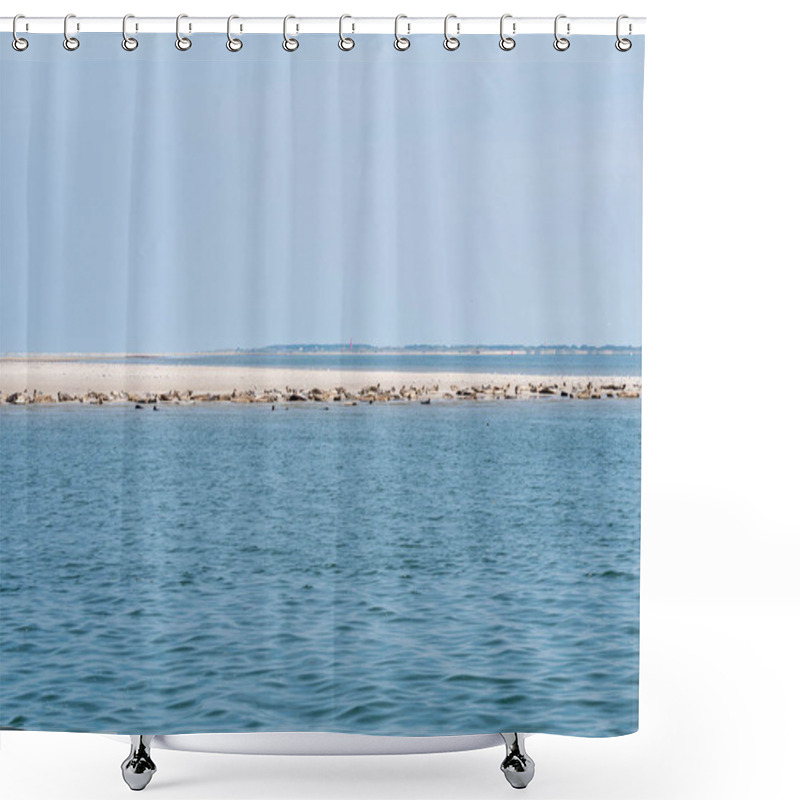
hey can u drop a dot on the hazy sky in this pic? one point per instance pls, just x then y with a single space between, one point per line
167 201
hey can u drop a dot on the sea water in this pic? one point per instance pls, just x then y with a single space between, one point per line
591 363
460 567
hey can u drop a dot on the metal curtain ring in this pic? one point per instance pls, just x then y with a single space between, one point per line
233 44
181 42
623 45
289 44
18 43
450 42
506 42
561 43
400 42
345 42
128 42
70 42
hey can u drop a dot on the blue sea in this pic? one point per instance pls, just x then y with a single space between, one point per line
519 363
392 569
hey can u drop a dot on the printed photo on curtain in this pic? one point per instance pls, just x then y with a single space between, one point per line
320 385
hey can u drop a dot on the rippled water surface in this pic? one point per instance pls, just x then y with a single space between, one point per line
394 569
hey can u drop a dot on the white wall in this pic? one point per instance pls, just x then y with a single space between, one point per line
720 704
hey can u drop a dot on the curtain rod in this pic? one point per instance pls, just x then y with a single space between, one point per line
412 25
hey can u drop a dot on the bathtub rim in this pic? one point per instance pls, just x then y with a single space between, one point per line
290 743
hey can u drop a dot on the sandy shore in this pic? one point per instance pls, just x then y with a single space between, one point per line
25 381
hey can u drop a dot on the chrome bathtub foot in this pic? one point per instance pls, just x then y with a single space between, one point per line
517 766
138 768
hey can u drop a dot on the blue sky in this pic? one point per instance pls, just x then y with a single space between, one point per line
162 201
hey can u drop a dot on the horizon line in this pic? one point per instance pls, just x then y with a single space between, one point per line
333 348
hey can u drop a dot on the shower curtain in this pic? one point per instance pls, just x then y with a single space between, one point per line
320 390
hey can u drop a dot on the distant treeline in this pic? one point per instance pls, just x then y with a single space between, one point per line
455 349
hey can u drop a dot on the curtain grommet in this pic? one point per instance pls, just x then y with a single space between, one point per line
451 43
345 42
562 42
129 43
507 43
183 43
622 44
401 43
289 44
17 42
233 44
70 43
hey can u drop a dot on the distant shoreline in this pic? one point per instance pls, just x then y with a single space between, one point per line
318 350
46 380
